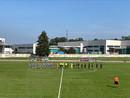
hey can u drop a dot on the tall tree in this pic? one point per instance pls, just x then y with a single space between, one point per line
125 37
95 39
71 50
62 49
43 47
55 41
77 39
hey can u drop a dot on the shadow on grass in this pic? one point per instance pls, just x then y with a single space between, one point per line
111 86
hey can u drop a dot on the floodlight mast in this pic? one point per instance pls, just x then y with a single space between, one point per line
66 35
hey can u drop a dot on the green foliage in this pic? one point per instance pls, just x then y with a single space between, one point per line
16 81
43 47
71 50
77 39
55 41
95 39
115 38
62 49
125 37
19 82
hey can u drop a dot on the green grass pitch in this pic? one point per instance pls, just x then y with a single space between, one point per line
17 81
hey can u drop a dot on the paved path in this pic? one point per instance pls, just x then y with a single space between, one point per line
60 60
12 60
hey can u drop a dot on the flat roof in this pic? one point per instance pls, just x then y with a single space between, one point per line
116 48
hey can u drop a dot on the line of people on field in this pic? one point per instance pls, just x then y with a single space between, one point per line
40 65
78 65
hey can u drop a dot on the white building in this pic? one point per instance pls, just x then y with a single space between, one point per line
31 48
88 47
99 46
25 48
5 48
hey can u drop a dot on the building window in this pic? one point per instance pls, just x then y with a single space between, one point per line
101 46
116 46
90 50
1 49
7 46
108 50
21 47
109 46
96 46
7 52
96 50
25 47
1 42
128 46
90 46
29 47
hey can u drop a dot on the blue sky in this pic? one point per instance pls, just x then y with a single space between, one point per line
22 21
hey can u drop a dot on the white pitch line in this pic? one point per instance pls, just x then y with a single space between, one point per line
60 83
93 70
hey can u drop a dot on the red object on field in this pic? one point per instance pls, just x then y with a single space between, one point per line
116 79
83 59
39 59
54 65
